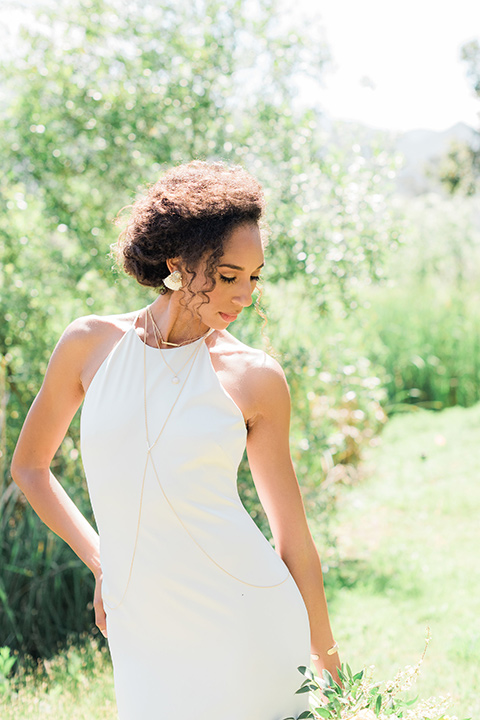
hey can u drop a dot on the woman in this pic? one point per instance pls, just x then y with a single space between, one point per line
204 617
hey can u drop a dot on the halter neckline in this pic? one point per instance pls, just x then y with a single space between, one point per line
168 349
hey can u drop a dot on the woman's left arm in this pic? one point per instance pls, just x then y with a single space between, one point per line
268 451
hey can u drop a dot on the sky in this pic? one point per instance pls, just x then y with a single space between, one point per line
397 64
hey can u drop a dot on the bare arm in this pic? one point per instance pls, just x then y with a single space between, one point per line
44 429
277 486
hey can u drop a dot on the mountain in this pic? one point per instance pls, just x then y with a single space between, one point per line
422 149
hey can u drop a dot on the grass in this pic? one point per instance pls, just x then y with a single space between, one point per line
74 685
408 542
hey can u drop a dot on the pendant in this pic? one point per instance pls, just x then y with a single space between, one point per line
175 380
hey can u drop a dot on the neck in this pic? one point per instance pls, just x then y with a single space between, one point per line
176 323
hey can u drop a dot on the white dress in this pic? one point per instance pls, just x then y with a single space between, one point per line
204 620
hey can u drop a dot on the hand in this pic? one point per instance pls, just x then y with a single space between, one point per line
100 617
331 663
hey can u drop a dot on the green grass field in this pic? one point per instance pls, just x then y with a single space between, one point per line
408 541
76 685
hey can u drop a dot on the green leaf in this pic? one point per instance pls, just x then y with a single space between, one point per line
336 704
337 688
328 678
378 704
359 675
324 713
306 714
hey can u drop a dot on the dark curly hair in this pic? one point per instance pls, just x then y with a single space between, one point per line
187 213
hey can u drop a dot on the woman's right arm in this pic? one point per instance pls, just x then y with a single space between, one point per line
43 431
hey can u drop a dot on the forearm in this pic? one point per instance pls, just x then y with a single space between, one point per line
306 569
54 506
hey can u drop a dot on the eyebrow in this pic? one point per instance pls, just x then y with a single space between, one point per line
237 267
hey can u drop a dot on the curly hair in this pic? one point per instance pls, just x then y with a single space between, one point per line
188 213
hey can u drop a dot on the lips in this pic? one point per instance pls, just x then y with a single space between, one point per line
228 318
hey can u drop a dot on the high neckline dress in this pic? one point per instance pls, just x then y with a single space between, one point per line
204 620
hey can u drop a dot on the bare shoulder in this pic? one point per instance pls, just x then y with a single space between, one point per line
92 328
256 376
249 361
87 340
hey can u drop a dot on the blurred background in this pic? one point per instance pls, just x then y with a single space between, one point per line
362 122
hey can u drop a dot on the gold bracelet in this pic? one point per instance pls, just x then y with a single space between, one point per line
330 651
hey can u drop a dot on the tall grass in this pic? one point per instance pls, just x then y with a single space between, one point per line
427 339
45 590
422 325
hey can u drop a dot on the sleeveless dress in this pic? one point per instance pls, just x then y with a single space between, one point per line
204 620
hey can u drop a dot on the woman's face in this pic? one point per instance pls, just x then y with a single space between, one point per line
236 277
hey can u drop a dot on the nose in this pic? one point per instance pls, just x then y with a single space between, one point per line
243 295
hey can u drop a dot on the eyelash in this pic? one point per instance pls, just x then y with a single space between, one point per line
255 278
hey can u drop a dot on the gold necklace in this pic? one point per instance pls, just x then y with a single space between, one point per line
175 379
165 342
149 450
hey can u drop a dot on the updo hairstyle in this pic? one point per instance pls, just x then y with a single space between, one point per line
189 212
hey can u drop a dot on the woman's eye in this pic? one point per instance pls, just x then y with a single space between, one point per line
226 279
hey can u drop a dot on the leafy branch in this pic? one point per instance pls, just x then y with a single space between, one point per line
360 697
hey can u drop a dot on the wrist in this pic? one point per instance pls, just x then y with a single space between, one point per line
332 650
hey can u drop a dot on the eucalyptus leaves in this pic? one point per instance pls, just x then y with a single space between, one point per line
363 698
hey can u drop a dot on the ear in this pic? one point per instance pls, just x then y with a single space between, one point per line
174 264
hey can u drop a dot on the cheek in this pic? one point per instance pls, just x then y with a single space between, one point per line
219 293
216 301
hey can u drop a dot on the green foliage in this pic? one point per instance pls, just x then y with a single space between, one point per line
45 590
101 96
459 170
7 661
422 325
471 55
78 683
359 697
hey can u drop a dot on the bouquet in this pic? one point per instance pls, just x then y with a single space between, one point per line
362 698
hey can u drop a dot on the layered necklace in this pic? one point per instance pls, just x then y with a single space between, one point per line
160 341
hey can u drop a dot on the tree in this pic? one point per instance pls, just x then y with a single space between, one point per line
460 169
102 95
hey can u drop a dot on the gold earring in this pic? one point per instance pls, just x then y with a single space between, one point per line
174 280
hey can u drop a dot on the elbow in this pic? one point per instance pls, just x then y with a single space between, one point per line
300 553
16 472
20 472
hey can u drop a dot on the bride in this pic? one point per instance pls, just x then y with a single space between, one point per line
171 399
